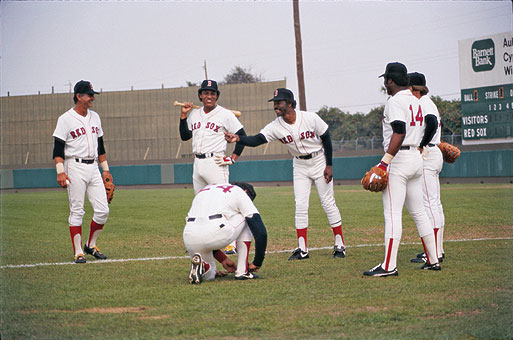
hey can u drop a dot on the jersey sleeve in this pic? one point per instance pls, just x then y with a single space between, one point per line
61 130
245 204
100 128
268 131
429 108
320 126
230 122
395 112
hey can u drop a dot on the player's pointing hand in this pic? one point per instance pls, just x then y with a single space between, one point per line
231 137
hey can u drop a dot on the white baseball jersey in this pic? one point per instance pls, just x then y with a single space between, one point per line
208 129
80 133
429 108
226 199
301 138
404 107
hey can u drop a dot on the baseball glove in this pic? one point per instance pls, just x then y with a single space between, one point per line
375 179
449 152
109 187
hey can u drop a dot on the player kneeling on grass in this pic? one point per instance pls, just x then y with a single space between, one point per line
219 215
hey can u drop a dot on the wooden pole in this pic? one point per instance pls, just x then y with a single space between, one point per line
299 57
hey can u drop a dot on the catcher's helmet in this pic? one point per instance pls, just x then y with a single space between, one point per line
210 85
248 188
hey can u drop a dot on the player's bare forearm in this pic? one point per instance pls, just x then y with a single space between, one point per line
62 177
328 173
235 156
395 143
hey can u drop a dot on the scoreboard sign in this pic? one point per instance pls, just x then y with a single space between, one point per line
486 81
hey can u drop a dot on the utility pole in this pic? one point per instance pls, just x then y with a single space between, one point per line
299 57
205 68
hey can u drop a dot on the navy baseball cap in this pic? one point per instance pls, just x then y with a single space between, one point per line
282 94
84 86
416 78
395 69
208 85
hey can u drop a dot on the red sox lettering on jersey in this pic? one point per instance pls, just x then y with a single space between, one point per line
302 137
208 129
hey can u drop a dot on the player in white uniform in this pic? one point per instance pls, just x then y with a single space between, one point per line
432 162
306 136
221 213
402 132
78 149
206 127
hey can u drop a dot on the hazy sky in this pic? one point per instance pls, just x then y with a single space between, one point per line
346 44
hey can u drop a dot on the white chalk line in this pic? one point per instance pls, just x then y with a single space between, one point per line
187 256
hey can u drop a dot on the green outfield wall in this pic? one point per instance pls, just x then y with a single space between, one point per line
494 163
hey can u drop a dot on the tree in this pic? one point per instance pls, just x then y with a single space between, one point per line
450 115
190 83
238 75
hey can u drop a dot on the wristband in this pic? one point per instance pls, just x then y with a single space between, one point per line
104 165
59 167
387 158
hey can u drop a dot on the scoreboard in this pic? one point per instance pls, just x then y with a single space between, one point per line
486 81
487 112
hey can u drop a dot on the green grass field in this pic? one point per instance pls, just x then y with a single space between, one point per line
319 298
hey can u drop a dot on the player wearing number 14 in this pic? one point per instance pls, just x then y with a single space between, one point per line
403 130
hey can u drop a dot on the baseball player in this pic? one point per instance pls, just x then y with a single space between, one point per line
206 127
402 132
306 136
432 162
78 148
221 213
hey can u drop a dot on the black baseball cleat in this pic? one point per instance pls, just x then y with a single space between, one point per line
298 254
378 271
197 269
94 251
420 258
80 258
246 276
339 252
434 266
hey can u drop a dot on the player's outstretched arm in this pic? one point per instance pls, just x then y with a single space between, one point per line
259 232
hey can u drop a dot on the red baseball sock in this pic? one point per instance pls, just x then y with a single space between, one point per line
93 233
301 238
76 241
337 231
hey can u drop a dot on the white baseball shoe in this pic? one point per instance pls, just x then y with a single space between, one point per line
246 276
299 254
378 271
197 269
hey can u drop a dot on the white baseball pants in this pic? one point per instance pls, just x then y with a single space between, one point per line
405 186
306 172
206 172
431 187
85 178
204 235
